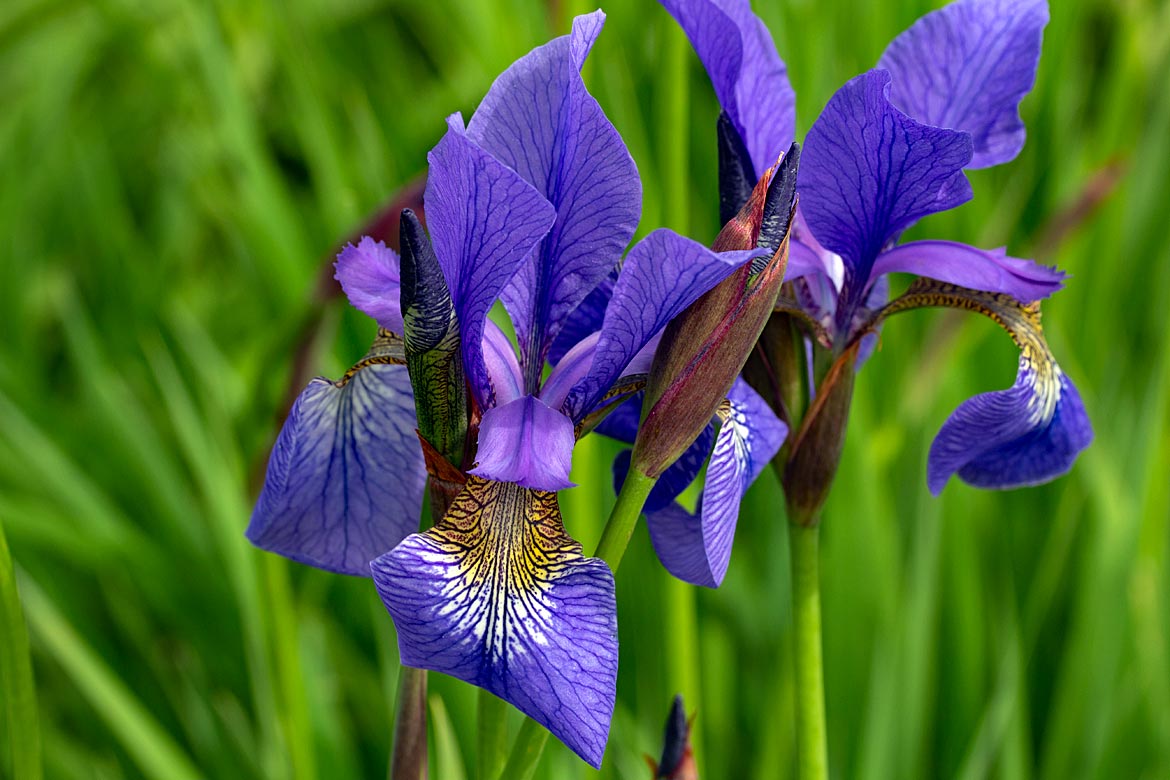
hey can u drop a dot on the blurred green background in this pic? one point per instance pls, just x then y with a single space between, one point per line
174 175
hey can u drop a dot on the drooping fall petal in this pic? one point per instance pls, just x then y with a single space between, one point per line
1025 435
697 548
498 595
345 479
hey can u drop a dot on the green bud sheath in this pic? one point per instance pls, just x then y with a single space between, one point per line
816 451
431 340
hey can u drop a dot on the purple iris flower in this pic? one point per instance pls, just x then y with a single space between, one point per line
889 148
532 204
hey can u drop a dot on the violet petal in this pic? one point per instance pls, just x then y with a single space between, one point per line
966 67
345 479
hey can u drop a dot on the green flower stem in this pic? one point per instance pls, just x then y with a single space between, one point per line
19 693
620 526
409 758
812 753
492 739
526 751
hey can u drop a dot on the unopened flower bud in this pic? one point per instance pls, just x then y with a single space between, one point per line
703 349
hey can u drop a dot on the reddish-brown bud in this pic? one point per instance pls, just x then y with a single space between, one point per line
704 348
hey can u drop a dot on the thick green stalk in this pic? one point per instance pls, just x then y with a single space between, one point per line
492 739
812 753
20 699
620 526
409 759
526 751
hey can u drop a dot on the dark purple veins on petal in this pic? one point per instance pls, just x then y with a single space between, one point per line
539 119
697 548
750 79
966 67
498 595
1026 435
345 479
484 221
663 274
869 171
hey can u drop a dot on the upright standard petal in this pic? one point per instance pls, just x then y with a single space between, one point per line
369 275
663 274
750 79
539 119
525 442
1025 435
967 67
869 172
498 595
484 221
345 479
980 269
697 548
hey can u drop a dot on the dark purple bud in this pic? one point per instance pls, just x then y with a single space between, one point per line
736 175
678 760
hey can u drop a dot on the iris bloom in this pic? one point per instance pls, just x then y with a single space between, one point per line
889 148
532 204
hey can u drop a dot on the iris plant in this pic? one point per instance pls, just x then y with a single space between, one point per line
889 148
530 204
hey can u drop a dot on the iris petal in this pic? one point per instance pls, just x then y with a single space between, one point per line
369 275
526 442
498 595
484 220
663 274
697 548
345 479
868 172
967 66
585 320
980 269
539 119
1026 435
750 79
